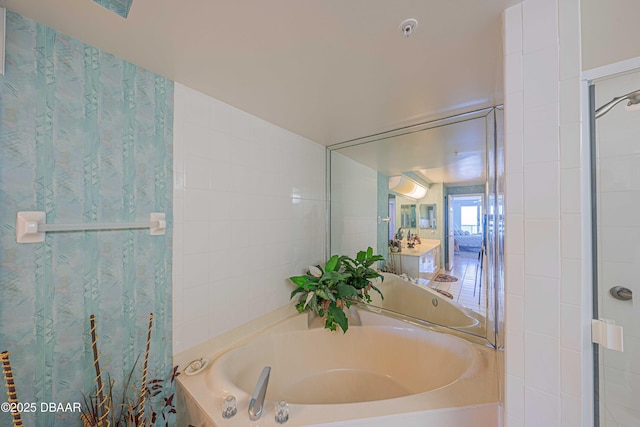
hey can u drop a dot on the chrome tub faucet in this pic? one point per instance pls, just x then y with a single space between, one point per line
256 404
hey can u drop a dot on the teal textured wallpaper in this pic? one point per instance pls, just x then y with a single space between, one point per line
120 7
85 137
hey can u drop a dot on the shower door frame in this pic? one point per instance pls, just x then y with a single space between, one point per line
591 408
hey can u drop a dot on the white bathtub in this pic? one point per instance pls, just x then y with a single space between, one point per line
421 302
383 373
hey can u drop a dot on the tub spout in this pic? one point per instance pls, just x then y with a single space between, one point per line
257 398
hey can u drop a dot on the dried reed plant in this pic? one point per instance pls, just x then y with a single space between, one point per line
11 388
136 405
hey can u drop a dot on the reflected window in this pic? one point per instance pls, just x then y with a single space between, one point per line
469 219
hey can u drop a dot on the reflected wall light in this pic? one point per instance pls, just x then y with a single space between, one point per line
407 187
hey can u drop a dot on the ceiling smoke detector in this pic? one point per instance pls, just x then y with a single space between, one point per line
408 26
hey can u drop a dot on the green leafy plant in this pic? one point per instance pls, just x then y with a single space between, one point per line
328 290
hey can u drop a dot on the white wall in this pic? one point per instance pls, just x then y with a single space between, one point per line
354 206
608 32
249 211
547 343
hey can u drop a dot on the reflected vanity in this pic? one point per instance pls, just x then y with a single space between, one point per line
420 262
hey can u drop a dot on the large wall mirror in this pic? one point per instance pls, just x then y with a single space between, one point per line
429 199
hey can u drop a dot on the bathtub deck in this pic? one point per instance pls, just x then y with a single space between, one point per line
470 400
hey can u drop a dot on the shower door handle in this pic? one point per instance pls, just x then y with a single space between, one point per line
621 293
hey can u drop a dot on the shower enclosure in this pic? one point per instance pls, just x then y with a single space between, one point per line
615 162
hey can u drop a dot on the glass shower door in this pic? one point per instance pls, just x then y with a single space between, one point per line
616 150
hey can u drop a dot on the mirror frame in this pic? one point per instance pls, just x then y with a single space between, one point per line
412 216
432 222
494 196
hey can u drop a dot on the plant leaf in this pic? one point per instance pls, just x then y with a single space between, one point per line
314 305
333 276
377 290
296 291
299 280
322 294
373 260
309 296
339 317
315 271
325 293
331 264
346 291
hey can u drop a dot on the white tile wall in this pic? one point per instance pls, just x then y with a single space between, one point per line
545 345
249 211
354 194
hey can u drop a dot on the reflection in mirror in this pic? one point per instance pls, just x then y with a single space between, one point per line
428 216
429 278
408 216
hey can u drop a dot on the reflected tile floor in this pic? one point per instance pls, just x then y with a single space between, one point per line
467 290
